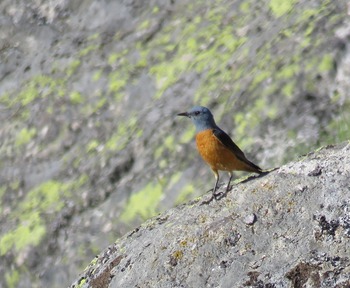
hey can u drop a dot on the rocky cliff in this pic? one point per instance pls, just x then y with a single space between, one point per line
89 143
289 228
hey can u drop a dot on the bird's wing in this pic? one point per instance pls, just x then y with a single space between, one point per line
227 142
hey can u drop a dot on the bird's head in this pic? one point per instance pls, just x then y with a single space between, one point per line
201 117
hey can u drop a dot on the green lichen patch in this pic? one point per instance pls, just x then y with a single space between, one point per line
92 145
12 278
34 211
24 136
121 137
143 204
76 97
185 193
281 7
30 232
72 68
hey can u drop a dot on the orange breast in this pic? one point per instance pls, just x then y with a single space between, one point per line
216 154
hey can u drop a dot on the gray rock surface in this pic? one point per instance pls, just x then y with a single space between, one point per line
89 143
301 237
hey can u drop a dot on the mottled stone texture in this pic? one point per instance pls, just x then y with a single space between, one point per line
301 236
90 146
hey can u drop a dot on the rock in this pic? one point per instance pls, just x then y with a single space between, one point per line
300 240
89 91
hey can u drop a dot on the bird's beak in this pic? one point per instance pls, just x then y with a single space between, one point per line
184 114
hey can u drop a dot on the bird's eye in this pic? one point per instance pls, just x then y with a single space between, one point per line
197 113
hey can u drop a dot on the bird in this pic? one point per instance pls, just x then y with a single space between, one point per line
216 147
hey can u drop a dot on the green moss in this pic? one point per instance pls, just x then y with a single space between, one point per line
143 203
74 65
24 136
120 138
115 85
46 197
30 232
94 36
112 58
185 193
6 99
92 145
288 71
288 89
281 7
101 103
15 185
81 282
87 50
2 192
155 10
12 279
33 212
76 98
174 179
169 142
28 94
245 7
145 25
97 75
326 64
188 135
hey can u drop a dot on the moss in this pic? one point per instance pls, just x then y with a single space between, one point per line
24 136
145 24
169 142
120 138
188 135
326 64
12 279
30 232
143 203
288 71
281 7
82 282
6 99
92 145
288 89
87 50
112 58
245 7
2 192
28 94
76 98
74 65
155 10
185 193
33 212
15 185
97 75
174 179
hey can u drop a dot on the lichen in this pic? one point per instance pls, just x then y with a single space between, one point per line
12 278
76 97
32 214
281 7
143 203
24 136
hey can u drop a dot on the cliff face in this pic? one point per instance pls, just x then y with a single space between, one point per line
89 143
289 228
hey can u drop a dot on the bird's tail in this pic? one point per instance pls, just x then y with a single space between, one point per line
251 167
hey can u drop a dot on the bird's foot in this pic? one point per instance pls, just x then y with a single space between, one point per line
217 195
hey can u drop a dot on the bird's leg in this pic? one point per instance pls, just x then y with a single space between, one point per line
216 173
229 181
